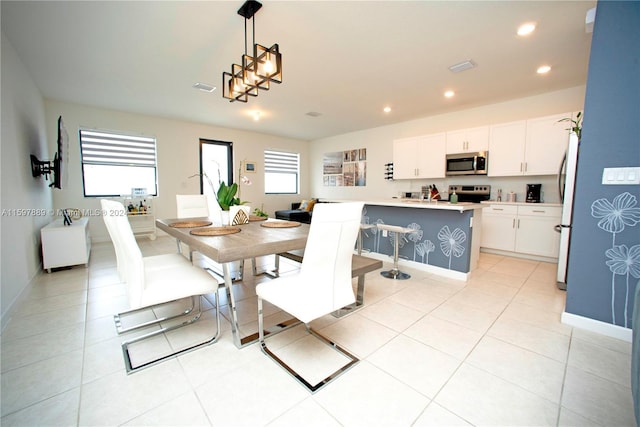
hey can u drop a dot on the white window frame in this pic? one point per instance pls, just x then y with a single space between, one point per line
281 163
132 158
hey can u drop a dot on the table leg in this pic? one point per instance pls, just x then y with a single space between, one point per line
235 328
233 314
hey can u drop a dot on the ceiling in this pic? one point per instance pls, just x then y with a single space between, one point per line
345 59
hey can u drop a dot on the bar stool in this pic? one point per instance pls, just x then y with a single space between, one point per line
363 228
395 273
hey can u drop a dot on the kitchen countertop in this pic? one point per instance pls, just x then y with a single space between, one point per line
421 204
495 202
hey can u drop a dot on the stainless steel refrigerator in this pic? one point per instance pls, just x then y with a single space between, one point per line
566 185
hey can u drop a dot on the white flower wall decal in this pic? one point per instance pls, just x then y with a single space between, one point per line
424 248
415 236
614 217
624 261
451 243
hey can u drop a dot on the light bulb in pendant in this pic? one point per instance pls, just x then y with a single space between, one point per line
268 67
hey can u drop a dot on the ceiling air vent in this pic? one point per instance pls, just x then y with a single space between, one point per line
204 87
465 65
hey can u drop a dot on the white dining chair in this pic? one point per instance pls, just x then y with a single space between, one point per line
192 206
323 283
155 281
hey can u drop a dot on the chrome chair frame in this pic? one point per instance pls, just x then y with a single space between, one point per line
311 387
323 284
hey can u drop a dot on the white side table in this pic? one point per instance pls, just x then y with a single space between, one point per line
63 246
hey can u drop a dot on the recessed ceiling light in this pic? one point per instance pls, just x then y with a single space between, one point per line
543 69
204 87
256 115
387 109
526 29
449 94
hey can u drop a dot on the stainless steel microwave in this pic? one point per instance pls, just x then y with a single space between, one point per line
467 163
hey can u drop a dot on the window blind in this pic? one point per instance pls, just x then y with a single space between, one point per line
281 171
106 148
281 162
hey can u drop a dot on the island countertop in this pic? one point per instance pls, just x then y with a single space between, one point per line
415 203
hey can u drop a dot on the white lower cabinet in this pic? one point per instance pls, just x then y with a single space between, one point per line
522 229
499 227
65 245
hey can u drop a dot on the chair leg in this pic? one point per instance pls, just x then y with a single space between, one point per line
117 318
125 345
311 387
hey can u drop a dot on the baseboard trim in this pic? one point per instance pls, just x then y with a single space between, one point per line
519 255
597 326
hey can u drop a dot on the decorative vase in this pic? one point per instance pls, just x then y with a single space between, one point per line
224 218
239 214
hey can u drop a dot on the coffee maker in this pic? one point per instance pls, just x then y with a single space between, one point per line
533 193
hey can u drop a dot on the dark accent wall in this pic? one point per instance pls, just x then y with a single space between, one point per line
442 238
604 259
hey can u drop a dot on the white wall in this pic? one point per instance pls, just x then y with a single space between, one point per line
379 145
178 158
23 133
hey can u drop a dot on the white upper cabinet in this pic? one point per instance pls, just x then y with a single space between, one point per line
531 147
468 140
506 148
419 157
547 141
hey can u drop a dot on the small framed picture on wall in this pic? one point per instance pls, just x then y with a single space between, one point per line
249 167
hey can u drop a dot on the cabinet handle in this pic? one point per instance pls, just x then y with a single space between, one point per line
525 166
538 211
518 223
497 209
521 167
514 223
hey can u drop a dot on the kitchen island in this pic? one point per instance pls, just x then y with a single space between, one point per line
445 240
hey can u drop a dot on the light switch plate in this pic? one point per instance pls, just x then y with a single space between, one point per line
621 176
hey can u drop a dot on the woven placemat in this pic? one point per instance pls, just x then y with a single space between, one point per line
214 231
253 218
189 224
280 224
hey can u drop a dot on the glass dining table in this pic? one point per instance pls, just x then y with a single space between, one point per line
255 239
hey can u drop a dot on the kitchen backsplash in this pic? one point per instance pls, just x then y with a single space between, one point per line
517 184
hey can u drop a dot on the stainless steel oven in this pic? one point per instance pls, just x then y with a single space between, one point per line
467 163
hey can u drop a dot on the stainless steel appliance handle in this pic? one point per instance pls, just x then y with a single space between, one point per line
560 186
475 164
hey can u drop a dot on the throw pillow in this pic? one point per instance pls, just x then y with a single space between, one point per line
310 205
303 205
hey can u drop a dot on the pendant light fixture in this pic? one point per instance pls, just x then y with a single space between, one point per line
258 69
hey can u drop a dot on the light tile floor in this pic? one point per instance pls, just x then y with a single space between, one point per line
434 351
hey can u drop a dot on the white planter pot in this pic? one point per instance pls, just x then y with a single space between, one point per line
224 218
